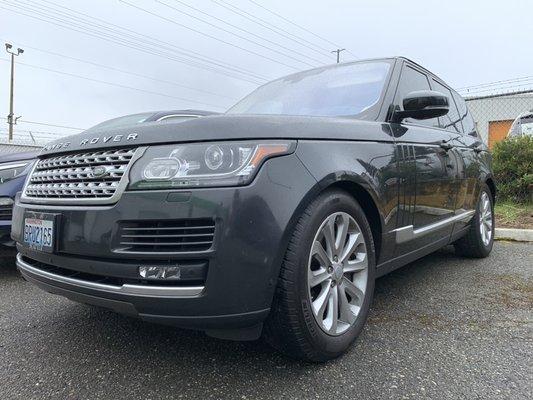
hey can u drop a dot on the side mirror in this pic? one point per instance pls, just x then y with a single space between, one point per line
422 104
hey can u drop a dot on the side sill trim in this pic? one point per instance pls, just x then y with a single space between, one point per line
127 289
407 233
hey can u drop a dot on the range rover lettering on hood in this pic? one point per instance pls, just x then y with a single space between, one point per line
93 140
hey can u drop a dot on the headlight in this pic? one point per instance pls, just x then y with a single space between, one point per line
13 170
203 164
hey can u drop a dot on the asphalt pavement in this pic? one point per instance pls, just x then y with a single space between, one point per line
443 327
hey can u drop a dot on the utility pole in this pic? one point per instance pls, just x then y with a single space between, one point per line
11 120
338 51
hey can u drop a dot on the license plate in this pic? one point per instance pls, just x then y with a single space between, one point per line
39 232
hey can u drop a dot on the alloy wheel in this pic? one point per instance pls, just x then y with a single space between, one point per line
485 219
337 273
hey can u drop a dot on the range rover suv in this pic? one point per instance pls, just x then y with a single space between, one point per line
272 219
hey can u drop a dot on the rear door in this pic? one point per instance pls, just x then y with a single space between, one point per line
471 148
428 167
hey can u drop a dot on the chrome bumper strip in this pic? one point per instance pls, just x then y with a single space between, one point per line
127 289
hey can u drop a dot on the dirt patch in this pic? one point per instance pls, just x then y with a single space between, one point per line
513 291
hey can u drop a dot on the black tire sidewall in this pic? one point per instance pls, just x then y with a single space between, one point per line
331 346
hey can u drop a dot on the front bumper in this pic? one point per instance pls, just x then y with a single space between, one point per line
5 234
253 224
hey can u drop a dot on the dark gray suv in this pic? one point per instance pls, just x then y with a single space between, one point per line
274 218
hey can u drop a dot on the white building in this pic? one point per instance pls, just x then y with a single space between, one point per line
494 114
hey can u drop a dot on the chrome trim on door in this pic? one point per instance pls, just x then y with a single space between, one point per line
407 233
128 289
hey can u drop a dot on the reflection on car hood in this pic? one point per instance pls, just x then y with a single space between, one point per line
220 127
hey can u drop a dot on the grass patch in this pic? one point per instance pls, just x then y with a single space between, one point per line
512 215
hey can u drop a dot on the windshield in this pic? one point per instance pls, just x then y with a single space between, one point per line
344 90
120 121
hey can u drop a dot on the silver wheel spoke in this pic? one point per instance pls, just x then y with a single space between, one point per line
357 265
332 319
355 240
319 305
342 232
353 291
320 254
318 277
346 313
329 236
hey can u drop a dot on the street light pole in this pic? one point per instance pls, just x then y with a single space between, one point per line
11 117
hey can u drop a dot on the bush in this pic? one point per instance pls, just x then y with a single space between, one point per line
513 168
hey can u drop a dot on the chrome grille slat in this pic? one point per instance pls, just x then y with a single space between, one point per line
70 178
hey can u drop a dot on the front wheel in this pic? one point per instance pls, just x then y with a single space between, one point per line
326 281
478 241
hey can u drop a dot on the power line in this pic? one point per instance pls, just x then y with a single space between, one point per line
527 78
498 89
127 72
47 124
208 35
123 38
129 44
235 27
120 40
155 41
115 84
299 26
267 25
235 34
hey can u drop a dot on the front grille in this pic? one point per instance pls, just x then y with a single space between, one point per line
6 212
82 176
164 236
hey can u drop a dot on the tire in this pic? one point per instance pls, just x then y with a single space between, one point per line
475 244
293 326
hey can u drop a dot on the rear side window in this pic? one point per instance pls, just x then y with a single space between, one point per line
410 81
450 121
469 126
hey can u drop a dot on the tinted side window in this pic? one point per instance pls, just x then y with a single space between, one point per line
410 81
450 121
469 125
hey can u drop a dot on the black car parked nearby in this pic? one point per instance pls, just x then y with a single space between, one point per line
274 218
13 171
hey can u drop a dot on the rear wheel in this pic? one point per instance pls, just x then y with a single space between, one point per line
326 282
478 241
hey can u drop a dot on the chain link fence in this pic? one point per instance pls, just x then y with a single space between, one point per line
505 122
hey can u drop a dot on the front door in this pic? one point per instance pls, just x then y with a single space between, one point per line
428 165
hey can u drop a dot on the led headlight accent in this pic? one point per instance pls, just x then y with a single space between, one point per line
203 164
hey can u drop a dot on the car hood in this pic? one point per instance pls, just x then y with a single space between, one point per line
217 128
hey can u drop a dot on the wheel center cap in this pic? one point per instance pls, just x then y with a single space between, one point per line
338 271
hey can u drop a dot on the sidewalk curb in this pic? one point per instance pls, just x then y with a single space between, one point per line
519 235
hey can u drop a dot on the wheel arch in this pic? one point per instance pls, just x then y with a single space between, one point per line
357 188
369 206
492 186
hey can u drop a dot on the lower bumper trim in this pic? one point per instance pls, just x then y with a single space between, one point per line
138 290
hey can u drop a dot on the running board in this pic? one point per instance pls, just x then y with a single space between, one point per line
407 233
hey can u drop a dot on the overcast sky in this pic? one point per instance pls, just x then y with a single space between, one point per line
464 42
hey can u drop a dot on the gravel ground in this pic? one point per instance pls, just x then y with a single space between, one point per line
443 327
